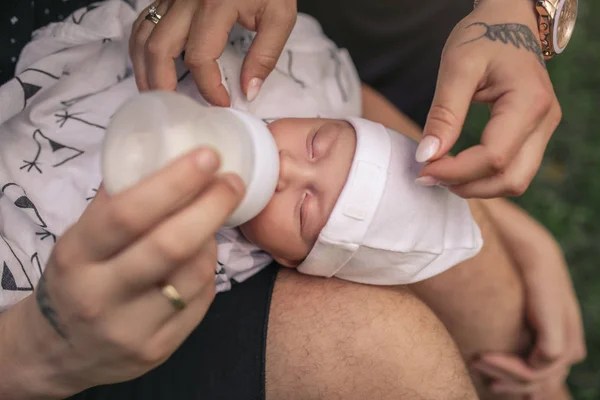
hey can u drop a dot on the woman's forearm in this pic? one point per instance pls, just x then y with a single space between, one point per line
27 347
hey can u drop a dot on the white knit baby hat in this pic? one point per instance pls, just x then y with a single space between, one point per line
385 229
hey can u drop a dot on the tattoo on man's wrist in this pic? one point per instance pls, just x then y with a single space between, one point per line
517 35
45 304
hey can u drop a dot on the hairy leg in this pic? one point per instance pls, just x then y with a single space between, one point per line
329 339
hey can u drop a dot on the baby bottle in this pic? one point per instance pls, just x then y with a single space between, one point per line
155 128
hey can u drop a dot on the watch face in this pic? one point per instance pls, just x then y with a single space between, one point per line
565 20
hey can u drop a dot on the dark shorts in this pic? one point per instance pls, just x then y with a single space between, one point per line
396 45
224 358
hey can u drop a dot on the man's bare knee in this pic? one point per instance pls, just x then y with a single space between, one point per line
329 339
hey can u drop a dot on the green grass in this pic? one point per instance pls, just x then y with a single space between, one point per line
565 195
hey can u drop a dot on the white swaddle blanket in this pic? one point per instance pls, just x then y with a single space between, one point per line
73 76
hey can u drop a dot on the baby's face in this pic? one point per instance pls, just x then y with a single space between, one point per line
315 156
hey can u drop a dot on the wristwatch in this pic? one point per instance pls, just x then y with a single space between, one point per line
556 22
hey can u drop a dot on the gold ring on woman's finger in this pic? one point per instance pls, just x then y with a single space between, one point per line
173 296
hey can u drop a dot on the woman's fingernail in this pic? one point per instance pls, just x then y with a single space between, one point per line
235 182
427 148
426 181
207 160
253 88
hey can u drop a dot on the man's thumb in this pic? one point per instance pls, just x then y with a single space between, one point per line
453 95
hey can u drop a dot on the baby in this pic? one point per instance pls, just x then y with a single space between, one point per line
346 205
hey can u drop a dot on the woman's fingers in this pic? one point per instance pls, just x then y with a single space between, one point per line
272 32
515 179
194 279
140 32
207 39
200 274
111 223
175 241
511 124
165 44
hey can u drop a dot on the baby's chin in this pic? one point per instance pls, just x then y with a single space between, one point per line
244 228
253 235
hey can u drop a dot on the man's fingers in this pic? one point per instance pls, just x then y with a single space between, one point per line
457 82
575 334
111 223
511 367
208 37
517 368
514 388
166 43
273 31
176 240
496 373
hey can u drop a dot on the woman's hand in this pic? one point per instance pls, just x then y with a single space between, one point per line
552 311
492 56
99 315
201 28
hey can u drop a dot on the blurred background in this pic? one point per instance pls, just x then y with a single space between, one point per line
565 195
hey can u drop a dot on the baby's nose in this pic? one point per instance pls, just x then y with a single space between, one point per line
291 172
282 183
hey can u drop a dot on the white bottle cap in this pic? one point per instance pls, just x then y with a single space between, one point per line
153 129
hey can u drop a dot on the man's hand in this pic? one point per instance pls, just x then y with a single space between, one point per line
492 56
552 311
554 316
201 28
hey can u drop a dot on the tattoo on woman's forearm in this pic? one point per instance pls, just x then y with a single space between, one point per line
47 309
517 35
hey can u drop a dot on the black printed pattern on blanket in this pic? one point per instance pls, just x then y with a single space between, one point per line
78 16
72 101
65 115
14 275
338 74
21 201
290 70
49 152
32 80
237 259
